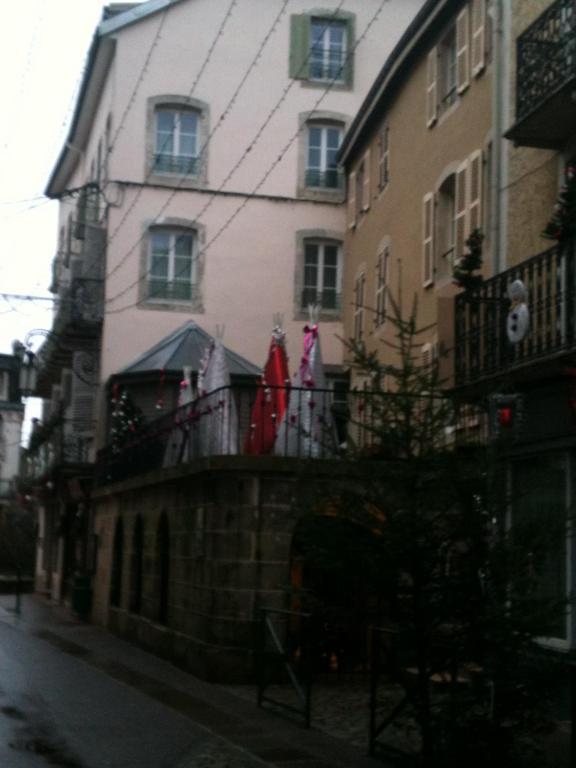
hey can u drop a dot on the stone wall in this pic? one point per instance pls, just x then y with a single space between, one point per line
230 524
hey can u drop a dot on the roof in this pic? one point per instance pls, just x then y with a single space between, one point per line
186 347
424 25
115 17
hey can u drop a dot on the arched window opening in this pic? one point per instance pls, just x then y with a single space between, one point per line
163 568
137 566
117 564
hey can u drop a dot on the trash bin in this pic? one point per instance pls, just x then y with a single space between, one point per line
82 595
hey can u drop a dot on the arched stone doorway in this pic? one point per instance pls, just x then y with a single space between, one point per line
163 568
338 577
137 566
117 564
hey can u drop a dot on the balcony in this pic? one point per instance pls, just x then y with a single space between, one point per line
81 308
482 348
318 424
58 445
546 79
330 179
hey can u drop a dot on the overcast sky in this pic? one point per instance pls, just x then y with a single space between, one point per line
43 48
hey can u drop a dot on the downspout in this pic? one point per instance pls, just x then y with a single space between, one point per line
500 13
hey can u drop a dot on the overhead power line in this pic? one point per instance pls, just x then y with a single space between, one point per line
267 173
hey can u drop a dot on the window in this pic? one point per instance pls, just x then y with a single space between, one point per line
322 274
359 189
539 525
4 385
359 291
321 168
384 157
176 141
381 286
445 227
327 50
177 130
448 69
172 265
448 64
321 48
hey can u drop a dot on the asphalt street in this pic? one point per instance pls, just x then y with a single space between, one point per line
74 696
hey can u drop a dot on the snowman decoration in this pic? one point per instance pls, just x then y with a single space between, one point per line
518 322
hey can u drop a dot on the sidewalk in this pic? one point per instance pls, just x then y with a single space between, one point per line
248 737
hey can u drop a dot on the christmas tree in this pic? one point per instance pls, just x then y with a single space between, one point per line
127 420
562 225
470 262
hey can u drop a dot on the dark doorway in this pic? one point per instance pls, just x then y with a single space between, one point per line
137 566
163 568
117 564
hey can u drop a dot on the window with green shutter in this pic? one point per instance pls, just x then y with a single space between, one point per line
322 48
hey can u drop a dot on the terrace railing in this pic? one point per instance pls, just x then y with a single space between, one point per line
315 426
64 441
546 56
482 347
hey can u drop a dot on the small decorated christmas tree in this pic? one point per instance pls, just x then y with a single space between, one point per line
470 263
562 225
127 420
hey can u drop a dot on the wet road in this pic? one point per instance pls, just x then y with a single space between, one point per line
56 710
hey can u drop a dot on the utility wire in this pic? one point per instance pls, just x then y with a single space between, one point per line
270 169
252 143
150 173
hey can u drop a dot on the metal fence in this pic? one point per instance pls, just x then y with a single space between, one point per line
482 348
546 56
316 424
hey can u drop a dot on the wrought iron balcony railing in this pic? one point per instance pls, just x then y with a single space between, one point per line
330 179
317 424
327 299
482 347
61 442
81 306
545 77
182 164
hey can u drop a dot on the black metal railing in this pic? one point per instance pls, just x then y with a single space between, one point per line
482 346
81 304
62 441
182 164
546 56
281 660
330 179
314 425
326 299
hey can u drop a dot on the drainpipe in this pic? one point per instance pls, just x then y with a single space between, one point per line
500 13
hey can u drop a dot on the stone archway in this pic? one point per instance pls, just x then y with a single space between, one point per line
336 569
163 568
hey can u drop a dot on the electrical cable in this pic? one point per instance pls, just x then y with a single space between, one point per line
266 175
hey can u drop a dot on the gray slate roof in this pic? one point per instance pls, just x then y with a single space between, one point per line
186 346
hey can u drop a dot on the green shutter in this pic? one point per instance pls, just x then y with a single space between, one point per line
350 52
299 46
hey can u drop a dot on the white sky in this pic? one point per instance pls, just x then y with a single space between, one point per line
43 47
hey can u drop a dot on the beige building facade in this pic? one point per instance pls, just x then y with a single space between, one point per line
418 161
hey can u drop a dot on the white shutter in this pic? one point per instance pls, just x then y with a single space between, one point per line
432 87
84 386
428 239
475 191
478 36
463 49
426 353
461 211
366 185
351 200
